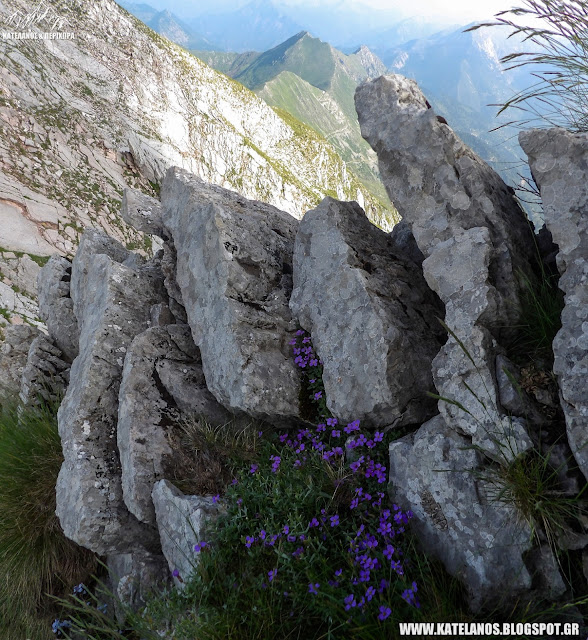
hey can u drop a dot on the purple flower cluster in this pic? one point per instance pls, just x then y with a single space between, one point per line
303 350
372 556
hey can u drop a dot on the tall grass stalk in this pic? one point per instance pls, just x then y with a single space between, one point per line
559 28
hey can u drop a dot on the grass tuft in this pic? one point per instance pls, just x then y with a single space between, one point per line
36 558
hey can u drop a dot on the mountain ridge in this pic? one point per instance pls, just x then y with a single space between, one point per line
116 107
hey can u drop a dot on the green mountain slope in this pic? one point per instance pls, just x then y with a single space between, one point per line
315 83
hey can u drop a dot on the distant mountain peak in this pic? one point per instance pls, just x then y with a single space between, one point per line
373 66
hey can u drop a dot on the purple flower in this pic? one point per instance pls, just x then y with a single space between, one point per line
334 520
293 341
331 422
215 498
313 523
234 482
338 572
321 427
349 602
370 593
409 596
335 433
312 381
272 574
318 395
312 588
300 332
286 529
384 612
239 501
313 362
249 540
254 468
378 437
259 434
389 551
352 426
175 573
198 547
262 534
291 538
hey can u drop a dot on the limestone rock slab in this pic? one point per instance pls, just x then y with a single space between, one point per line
142 212
112 304
182 521
56 305
456 517
161 380
559 164
372 317
474 237
234 270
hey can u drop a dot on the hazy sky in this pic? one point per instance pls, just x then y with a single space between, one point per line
451 11
460 11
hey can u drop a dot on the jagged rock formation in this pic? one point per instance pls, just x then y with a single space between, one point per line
558 162
112 303
475 241
371 314
204 328
475 238
234 263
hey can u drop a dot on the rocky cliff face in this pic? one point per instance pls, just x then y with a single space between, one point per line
202 328
117 105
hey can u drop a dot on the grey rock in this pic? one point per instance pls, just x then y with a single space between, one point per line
183 522
14 350
142 212
161 315
433 472
545 570
372 317
133 576
404 244
45 375
56 305
559 164
112 304
513 399
160 381
474 237
573 541
169 268
93 242
234 269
